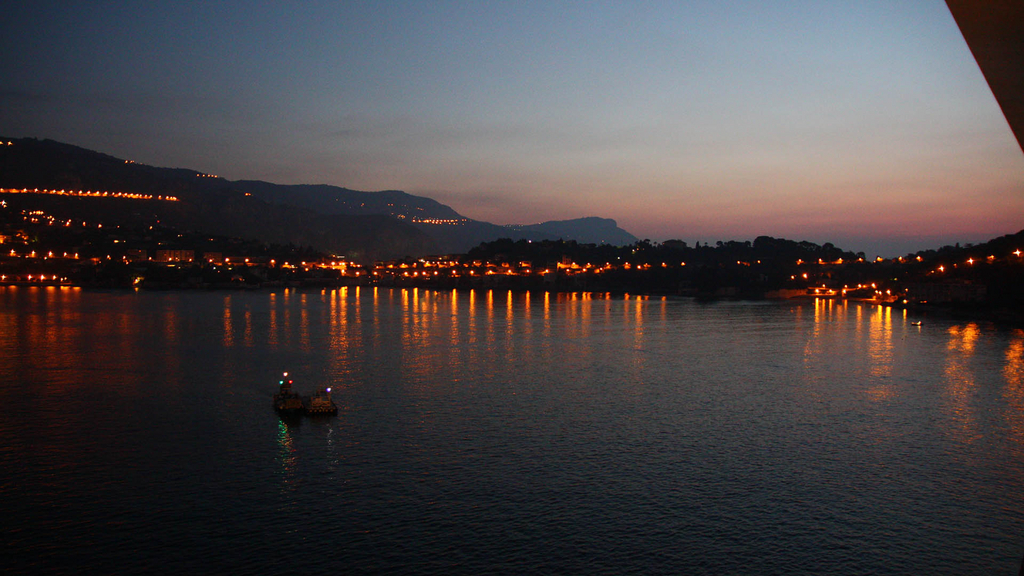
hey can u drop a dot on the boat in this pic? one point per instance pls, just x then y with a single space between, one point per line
287 402
320 403
915 323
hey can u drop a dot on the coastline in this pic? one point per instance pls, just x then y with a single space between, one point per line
1004 316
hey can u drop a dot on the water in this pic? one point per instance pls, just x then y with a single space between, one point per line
493 432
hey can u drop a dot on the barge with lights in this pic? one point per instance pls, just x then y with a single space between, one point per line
287 402
320 403
290 404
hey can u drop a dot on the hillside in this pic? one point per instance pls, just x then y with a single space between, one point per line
327 199
357 224
208 205
591 230
453 232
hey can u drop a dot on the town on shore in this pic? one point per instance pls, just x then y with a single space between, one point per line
38 249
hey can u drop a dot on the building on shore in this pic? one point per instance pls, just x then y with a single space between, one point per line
175 255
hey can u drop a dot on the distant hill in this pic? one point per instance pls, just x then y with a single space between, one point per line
207 204
363 225
462 237
590 230
453 232
328 199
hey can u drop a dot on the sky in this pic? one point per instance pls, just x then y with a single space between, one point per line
863 123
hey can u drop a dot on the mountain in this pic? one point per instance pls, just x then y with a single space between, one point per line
327 199
590 230
452 231
206 204
357 224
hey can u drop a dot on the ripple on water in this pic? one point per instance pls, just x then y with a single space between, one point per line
505 434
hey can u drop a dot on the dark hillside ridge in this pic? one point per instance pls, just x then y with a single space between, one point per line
332 218
206 204
590 230
328 199
454 232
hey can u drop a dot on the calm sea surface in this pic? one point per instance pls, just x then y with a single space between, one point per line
496 432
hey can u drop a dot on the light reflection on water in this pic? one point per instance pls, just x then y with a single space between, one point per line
959 377
288 455
229 332
272 329
1013 371
491 431
880 352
